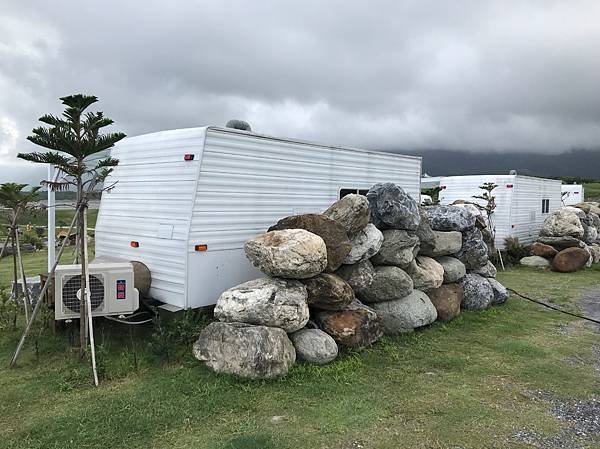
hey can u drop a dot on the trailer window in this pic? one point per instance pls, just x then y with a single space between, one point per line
545 206
344 192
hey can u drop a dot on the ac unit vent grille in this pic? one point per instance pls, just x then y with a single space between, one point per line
73 285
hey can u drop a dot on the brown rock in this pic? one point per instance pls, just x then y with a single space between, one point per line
352 212
333 234
329 292
354 328
446 300
584 207
542 250
570 260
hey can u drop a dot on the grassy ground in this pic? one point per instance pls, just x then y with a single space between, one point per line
464 384
592 191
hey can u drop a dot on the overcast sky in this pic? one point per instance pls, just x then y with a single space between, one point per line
476 75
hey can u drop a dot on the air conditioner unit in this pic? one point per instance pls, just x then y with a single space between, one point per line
111 290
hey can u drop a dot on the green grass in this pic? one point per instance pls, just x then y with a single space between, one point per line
592 191
63 217
462 384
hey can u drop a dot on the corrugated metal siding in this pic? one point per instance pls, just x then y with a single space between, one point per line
248 182
155 190
527 217
465 187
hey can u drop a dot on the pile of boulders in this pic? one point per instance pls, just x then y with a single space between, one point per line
569 239
366 267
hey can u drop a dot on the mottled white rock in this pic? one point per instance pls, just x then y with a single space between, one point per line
563 222
267 302
254 352
289 253
365 244
535 262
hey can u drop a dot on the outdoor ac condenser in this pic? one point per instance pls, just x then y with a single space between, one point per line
111 290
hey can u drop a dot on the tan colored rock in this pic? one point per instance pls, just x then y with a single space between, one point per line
352 212
542 250
446 300
426 273
289 253
570 260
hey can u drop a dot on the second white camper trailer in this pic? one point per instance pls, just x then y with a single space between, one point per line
522 202
572 194
186 200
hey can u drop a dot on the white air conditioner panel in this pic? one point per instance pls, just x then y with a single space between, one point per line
111 290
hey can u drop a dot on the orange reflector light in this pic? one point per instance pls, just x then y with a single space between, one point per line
188 157
135 244
201 247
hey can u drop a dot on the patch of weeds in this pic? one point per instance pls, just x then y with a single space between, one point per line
171 334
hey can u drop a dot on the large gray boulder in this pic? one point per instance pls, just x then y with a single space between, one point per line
314 346
424 232
426 273
333 234
393 208
454 269
594 250
535 262
290 253
594 220
450 218
359 275
253 352
405 314
487 271
444 243
561 243
398 248
328 291
356 327
389 283
266 302
478 293
500 292
474 251
563 222
352 212
365 244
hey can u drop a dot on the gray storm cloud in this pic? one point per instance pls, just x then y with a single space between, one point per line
472 75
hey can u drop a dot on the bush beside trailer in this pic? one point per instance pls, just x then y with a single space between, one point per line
523 202
185 201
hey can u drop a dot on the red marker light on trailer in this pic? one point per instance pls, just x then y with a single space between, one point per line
509 186
188 157
135 244
201 247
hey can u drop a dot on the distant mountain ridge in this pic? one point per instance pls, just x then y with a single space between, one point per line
575 163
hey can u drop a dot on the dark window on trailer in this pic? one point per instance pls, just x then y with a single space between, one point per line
344 192
545 206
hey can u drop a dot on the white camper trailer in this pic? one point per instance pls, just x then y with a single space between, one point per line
572 194
522 202
186 200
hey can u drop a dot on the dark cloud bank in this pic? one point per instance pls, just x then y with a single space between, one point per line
512 83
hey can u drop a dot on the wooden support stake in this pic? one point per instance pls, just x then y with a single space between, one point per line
26 297
87 293
41 296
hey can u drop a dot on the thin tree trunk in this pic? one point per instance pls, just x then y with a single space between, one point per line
15 289
83 322
26 298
